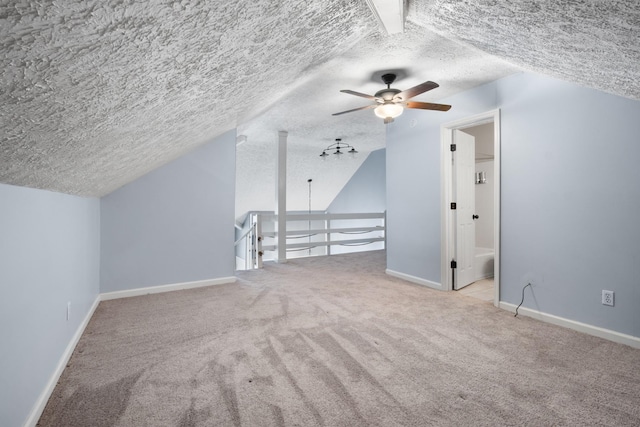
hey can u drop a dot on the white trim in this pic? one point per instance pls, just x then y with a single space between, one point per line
414 279
389 14
597 331
37 409
497 197
447 246
446 139
166 288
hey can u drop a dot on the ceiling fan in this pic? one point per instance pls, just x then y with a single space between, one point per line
390 102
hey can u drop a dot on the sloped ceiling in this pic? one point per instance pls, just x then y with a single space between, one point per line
97 93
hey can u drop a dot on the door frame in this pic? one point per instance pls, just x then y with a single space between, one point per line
447 222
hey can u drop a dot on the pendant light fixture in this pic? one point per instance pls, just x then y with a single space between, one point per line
339 148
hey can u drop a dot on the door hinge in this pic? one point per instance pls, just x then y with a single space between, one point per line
454 264
453 205
453 147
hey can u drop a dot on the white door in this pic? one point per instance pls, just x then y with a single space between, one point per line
464 170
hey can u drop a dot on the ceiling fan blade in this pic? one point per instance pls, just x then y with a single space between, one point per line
427 106
364 95
356 109
415 91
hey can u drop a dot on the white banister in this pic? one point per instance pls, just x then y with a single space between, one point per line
352 229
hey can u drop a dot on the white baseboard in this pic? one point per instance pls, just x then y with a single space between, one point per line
597 331
165 288
36 412
414 279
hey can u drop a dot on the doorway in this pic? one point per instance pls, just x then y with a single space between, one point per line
471 231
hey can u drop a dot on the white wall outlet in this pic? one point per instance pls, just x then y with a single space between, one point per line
607 297
69 310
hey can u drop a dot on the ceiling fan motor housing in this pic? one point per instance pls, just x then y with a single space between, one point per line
387 94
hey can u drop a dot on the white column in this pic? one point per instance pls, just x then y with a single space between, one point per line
327 226
281 198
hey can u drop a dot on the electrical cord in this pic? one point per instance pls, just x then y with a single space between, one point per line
525 286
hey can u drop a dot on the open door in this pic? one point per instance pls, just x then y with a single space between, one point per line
464 195
451 231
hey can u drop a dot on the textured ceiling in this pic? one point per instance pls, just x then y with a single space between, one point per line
595 43
97 93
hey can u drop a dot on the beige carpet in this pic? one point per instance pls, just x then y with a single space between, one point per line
334 341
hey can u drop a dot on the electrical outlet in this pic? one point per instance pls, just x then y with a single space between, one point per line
69 310
607 297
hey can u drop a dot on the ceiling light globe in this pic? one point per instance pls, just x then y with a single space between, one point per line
388 110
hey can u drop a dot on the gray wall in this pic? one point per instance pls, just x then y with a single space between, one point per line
364 192
570 200
49 255
173 225
570 196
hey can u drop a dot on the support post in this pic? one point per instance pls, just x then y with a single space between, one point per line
281 198
327 226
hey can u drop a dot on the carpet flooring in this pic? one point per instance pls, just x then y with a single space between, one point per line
333 341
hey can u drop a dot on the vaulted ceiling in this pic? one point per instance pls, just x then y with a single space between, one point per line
97 93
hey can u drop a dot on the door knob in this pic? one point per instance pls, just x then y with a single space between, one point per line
475 216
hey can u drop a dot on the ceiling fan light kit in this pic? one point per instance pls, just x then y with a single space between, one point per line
390 102
388 111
